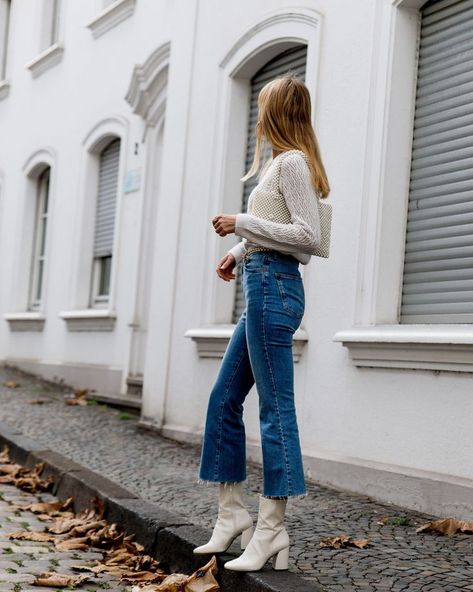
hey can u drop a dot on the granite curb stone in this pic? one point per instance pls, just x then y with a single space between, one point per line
168 537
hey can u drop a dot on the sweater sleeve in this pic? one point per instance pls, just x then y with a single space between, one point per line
303 233
238 251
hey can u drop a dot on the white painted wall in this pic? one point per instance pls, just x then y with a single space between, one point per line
407 422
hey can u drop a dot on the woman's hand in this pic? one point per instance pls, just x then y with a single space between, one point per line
224 223
225 267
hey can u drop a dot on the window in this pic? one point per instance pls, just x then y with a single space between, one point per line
39 240
438 265
105 222
293 59
50 32
5 6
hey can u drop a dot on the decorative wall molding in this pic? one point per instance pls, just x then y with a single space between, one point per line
45 60
302 16
429 347
25 321
37 161
148 85
89 320
212 340
112 16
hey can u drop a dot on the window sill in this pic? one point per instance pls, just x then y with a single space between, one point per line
25 321
89 319
45 60
212 340
430 347
111 17
4 89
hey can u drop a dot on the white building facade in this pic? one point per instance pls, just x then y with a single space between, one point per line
126 126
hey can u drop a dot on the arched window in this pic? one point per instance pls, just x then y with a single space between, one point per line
109 160
438 265
294 60
39 240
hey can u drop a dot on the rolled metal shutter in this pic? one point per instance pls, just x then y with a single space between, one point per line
106 199
293 60
438 266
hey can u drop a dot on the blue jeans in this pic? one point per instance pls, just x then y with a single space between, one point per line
260 350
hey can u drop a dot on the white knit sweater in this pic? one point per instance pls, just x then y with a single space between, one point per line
298 238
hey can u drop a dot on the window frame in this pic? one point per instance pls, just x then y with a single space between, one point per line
268 36
50 46
83 313
22 317
377 338
38 254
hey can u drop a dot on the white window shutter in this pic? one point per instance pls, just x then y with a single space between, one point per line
106 199
438 266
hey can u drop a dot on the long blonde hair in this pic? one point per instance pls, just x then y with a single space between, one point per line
284 110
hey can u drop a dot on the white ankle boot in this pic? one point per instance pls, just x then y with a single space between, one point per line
233 519
270 539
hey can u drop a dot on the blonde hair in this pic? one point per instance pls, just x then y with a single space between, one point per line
284 119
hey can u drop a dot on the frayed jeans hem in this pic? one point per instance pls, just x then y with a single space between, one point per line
208 482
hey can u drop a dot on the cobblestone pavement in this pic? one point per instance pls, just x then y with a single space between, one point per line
163 471
22 561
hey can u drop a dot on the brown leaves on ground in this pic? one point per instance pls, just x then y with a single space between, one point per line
11 384
343 540
78 397
123 557
448 526
25 479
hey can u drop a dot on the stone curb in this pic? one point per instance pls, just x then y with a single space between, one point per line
166 536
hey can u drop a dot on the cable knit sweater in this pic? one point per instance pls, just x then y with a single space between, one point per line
298 238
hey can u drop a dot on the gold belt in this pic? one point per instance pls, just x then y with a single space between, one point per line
253 249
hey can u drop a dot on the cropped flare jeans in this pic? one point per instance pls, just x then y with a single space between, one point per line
259 351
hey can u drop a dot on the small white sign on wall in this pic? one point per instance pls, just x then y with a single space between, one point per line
132 181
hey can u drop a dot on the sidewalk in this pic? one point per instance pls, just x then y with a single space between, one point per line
164 472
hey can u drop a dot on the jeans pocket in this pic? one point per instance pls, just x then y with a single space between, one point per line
291 290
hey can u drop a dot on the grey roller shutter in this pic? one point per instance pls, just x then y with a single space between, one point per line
438 267
293 60
106 199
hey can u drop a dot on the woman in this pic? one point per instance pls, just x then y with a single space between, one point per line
260 350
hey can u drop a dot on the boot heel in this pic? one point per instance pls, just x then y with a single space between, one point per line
246 536
281 559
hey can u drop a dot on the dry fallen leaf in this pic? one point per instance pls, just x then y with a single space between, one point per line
448 526
11 469
26 535
11 384
78 397
53 579
173 583
73 544
343 540
56 507
147 577
5 455
203 580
